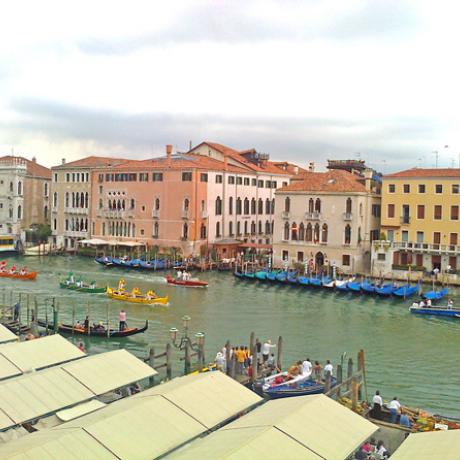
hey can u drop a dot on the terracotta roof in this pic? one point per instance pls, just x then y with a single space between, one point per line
265 166
291 168
91 162
33 168
330 181
178 161
421 172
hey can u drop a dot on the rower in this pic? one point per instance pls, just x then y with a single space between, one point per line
22 271
179 274
13 270
450 304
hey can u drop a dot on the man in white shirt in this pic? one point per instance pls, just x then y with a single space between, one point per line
395 407
377 403
306 367
266 347
328 368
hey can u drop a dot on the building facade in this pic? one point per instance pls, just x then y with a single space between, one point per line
326 220
24 196
420 221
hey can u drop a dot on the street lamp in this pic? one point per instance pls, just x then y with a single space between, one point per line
185 344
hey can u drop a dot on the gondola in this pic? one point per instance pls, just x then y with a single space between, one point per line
406 291
354 286
327 282
106 261
250 275
385 290
271 276
238 274
368 288
94 332
261 275
303 281
281 277
435 295
341 285
315 282
292 278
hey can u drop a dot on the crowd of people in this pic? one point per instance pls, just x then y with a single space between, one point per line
397 414
372 450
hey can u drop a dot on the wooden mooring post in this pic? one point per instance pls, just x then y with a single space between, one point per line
152 359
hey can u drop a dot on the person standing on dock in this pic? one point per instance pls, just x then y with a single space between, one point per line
328 368
395 408
377 403
122 320
240 357
266 347
17 309
317 371
306 367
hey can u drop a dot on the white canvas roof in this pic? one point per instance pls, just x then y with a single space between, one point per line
6 335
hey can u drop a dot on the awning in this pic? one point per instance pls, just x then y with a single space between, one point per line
6 335
444 445
227 242
94 242
130 244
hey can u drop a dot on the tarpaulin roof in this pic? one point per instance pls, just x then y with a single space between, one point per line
6 335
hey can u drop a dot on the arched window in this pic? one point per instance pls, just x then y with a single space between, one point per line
185 231
348 206
324 233
260 206
311 205
267 227
55 198
360 209
260 227
156 229
82 200
11 186
66 199
45 212
267 206
82 224
238 206
287 204
253 206
19 188
273 206
316 234
301 232
46 188
246 206
86 199
73 200
218 229
55 224
76 225
129 229
230 205
118 204
123 205
253 228
230 228
157 204
134 230
272 226
238 228
318 205
133 203
19 212
286 231
186 204
218 206
67 224
347 234
294 234
246 227
359 235
203 206
101 204
309 233
203 231
86 225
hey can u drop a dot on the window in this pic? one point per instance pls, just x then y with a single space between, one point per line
274 184
286 255
285 184
253 182
453 262
218 178
253 206
253 228
238 206
273 206
348 234
421 188
406 188
391 188
133 203
375 210
55 177
420 211
231 179
420 237
67 177
311 205
67 199
437 238
203 232
287 204
318 205
156 230
246 181
246 227
19 212
260 183
246 206
438 188
19 188
46 188
186 177
185 231
316 234
454 212
405 236
100 188
286 231
438 212
301 232
143 177
348 206
267 206
218 206
405 218
390 235
55 199
300 256
324 234
381 256
294 232
238 228
157 204
453 239
260 206
345 260
157 177
230 228
268 184
309 233
230 205
455 189
204 177
101 205
239 181
55 224
186 204
391 210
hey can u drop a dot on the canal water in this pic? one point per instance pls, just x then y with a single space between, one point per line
412 357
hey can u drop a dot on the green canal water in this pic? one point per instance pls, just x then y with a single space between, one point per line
412 357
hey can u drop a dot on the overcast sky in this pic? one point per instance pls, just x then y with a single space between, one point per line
301 80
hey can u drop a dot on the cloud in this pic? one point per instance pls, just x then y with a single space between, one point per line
384 144
260 21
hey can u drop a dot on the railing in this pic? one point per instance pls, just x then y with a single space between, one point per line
74 233
81 211
285 214
405 220
313 215
156 213
204 214
184 213
416 247
113 213
347 216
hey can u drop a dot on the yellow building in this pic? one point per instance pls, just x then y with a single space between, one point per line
420 219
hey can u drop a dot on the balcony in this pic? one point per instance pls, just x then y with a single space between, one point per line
75 234
285 214
347 216
78 211
313 215
156 213
111 213
204 214
424 248
185 214
405 220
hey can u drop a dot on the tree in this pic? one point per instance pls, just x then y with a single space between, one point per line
43 232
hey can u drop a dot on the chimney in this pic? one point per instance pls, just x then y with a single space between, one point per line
296 170
63 161
168 154
311 166
368 179
34 159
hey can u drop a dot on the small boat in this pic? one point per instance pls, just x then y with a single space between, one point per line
354 286
292 278
193 282
261 275
368 288
436 310
406 291
22 274
435 295
135 296
239 274
386 289
303 281
106 261
281 277
250 275
341 285
94 331
271 276
83 287
327 282
315 282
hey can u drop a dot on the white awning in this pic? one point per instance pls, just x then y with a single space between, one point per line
6 335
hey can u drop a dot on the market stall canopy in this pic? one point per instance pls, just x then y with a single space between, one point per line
6 335
94 242
314 427
430 445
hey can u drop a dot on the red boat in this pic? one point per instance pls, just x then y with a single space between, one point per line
21 275
189 283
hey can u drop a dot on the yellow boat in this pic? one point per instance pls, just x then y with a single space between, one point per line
135 296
